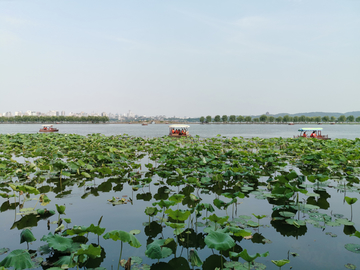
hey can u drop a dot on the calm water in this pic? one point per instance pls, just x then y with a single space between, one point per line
85 205
204 131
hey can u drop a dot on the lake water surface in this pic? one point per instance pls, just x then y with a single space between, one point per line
85 205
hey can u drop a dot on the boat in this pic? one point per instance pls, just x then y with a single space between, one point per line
144 124
178 130
315 133
48 128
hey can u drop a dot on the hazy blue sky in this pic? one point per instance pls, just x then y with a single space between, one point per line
183 58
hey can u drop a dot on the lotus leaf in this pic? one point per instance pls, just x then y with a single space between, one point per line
353 248
19 259
177 198
216 219
25 189
286 214
157 250
219 241
350 266
194 258
123 237
249 258
3 250
57 242
60 209
350 201
27 236
180 215
89 251
280 263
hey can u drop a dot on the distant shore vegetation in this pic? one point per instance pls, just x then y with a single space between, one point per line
280 119
54 119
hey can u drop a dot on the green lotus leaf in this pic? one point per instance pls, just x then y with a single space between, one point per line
177 198
194 258
65 261
259 216
66 173
353 248
44 199
350 201
19 259
164 204
123 236
135 232
219 241
60 209
217 219
57 242
89 251
86 174
296 222
280 263
357 234
45 212
157 249
25 189
286 214
350 266
178 214
67 220
26 236
151 211
3 250
249 258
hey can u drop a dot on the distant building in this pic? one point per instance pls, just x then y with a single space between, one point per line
18 113
8 114
267 113
62 113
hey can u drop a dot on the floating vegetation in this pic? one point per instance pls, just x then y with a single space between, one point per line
190 202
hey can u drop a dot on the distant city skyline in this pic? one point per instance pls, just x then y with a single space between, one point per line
187 58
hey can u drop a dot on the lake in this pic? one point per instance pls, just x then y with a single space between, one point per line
317 245
204 131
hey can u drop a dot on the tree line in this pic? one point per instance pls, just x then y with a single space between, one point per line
271 119
53 119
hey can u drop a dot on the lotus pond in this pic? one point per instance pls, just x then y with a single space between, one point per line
123 202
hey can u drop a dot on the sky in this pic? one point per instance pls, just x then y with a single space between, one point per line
180 58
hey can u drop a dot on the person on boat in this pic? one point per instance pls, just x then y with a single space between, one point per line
172 131
45 128
304 134
313 135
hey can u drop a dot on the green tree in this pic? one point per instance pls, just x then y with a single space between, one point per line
240 118
224 118
279 119
232 118
248 119
302 118
325 118
208 119
350 118
342 118
333 119
217 118
296 119
308 119
202 119
271 119
357 119
286 118
317 119
256 120
263 118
